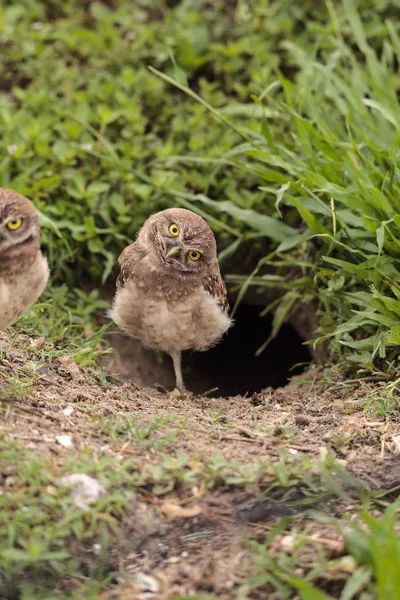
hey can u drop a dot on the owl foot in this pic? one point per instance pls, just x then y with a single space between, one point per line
182 392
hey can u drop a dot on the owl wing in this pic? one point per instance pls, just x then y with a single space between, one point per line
126 260
215 285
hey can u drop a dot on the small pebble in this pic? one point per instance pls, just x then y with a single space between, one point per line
287 543
65 441
146 583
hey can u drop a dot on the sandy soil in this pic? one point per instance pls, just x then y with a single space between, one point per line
199 546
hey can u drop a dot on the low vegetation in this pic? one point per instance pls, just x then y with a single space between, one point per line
280 124
277 496
285 135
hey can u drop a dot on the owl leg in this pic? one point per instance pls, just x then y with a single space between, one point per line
177 360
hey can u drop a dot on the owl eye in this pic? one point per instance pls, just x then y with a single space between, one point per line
174 229
14 224
194 255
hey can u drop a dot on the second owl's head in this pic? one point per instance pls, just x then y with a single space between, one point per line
182 241
19 222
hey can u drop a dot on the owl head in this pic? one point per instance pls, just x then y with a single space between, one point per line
180 240
19 222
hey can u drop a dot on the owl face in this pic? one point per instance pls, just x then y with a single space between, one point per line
181 240
19 221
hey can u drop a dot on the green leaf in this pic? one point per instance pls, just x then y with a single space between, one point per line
392 337
280 315
308 591
279 195
97 187
356 583
293 241
13 554
380 237
270 227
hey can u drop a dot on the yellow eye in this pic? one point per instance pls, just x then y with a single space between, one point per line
194 255
173 229
14 224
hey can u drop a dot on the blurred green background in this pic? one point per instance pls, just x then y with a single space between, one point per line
279 121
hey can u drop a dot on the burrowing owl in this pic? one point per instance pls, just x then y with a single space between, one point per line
23 268
170 293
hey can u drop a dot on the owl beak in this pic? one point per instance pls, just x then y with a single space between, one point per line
173 251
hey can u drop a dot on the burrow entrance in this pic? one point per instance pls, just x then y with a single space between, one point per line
231 366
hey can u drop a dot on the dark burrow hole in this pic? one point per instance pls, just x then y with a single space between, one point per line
232 365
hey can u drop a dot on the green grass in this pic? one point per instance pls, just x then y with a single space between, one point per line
83 120
373 560
324 147
32 548
66 322
50 548
282 128
43 538
279 123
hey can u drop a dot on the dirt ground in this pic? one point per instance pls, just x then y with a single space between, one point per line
190 541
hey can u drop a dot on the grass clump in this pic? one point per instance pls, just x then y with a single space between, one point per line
46 542
324 145
304 180
44 538
372 559
282 128
178 481
82 119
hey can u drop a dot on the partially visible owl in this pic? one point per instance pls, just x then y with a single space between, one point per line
170 293
23 269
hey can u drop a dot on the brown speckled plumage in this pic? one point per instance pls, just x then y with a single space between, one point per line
23 269
172 302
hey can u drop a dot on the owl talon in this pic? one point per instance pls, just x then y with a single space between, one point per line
178 393
181 393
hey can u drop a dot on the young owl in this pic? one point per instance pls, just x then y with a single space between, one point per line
170 293
23 269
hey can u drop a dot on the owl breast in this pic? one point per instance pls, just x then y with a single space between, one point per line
195 322
19 291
